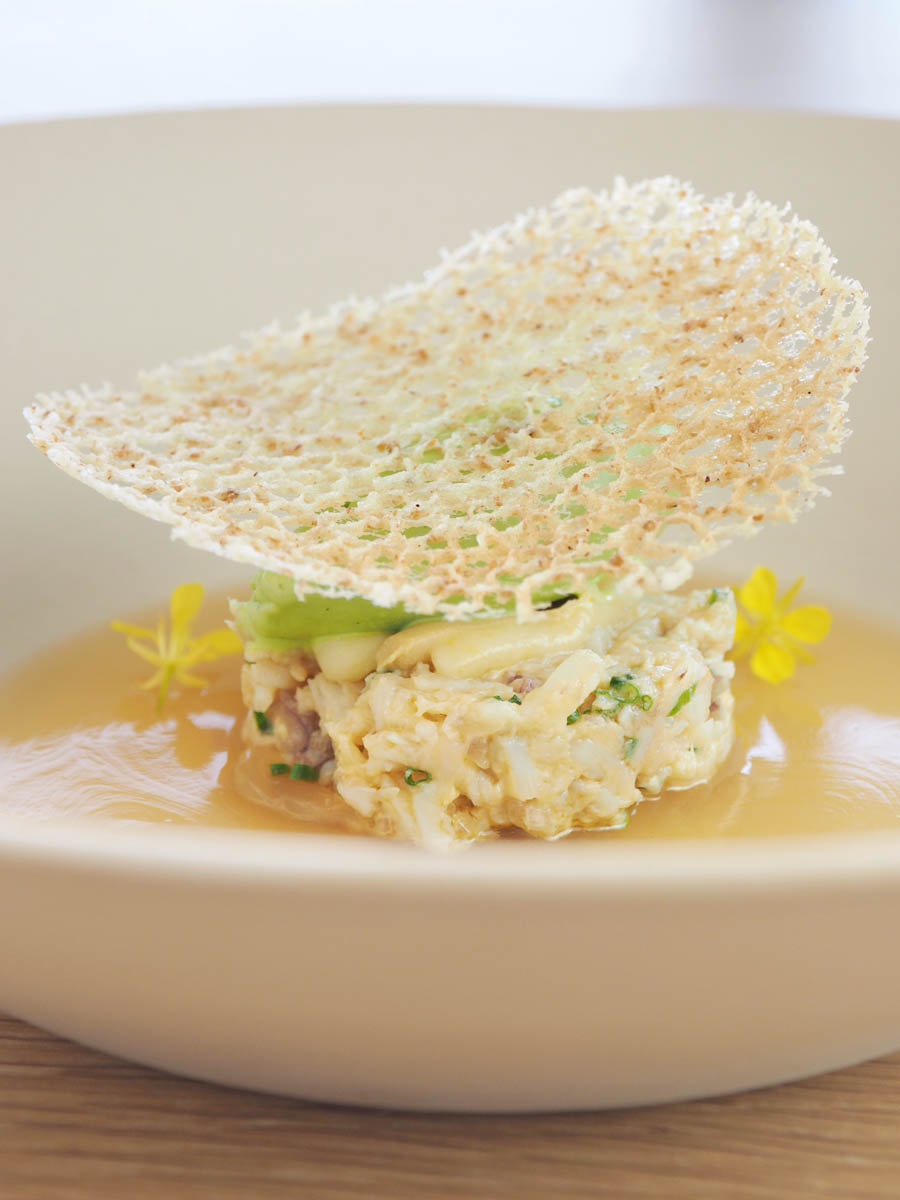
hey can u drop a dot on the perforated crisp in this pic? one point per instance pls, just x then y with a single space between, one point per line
619 382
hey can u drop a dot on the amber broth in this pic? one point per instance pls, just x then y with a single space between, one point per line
79 739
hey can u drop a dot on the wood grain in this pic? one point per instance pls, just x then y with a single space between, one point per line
78 1125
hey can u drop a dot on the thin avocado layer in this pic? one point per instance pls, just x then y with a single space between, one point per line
274 619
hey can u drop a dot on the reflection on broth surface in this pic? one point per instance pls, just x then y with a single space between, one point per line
78 739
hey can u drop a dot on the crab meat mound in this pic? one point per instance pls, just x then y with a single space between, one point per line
571 738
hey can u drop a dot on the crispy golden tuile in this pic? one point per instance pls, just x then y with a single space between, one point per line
618 382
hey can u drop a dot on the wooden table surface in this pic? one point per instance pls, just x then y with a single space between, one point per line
77 1124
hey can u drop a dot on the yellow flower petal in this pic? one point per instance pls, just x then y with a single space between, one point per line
185 604
215 645
772 663
757 595
790 595
810 623
137 631
153 681
171 649
771 631
144 652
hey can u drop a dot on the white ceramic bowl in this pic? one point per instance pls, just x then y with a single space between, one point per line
513 976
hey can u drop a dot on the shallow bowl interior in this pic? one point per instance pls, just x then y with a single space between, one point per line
518 976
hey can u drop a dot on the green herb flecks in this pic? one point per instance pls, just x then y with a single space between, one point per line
305 772
263 724
624 690
620 691
513 699
630 744
573 717
279 768
414 776
715 595
683 699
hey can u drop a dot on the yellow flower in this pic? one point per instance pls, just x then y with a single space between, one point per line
175 651
771 632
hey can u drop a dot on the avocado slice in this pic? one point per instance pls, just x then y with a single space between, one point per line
274 619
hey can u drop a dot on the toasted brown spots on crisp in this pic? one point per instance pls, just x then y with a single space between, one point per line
663 373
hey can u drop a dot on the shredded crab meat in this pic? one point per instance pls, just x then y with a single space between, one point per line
571 740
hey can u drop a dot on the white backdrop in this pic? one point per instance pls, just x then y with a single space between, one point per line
73 57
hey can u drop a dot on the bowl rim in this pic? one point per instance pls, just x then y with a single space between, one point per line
265 859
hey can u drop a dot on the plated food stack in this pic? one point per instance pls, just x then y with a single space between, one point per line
568 411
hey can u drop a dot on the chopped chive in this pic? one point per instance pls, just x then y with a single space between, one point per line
304 771
573 717
716 594
263 724
414 776
279 768
630 744
621 691
513 699
683 699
